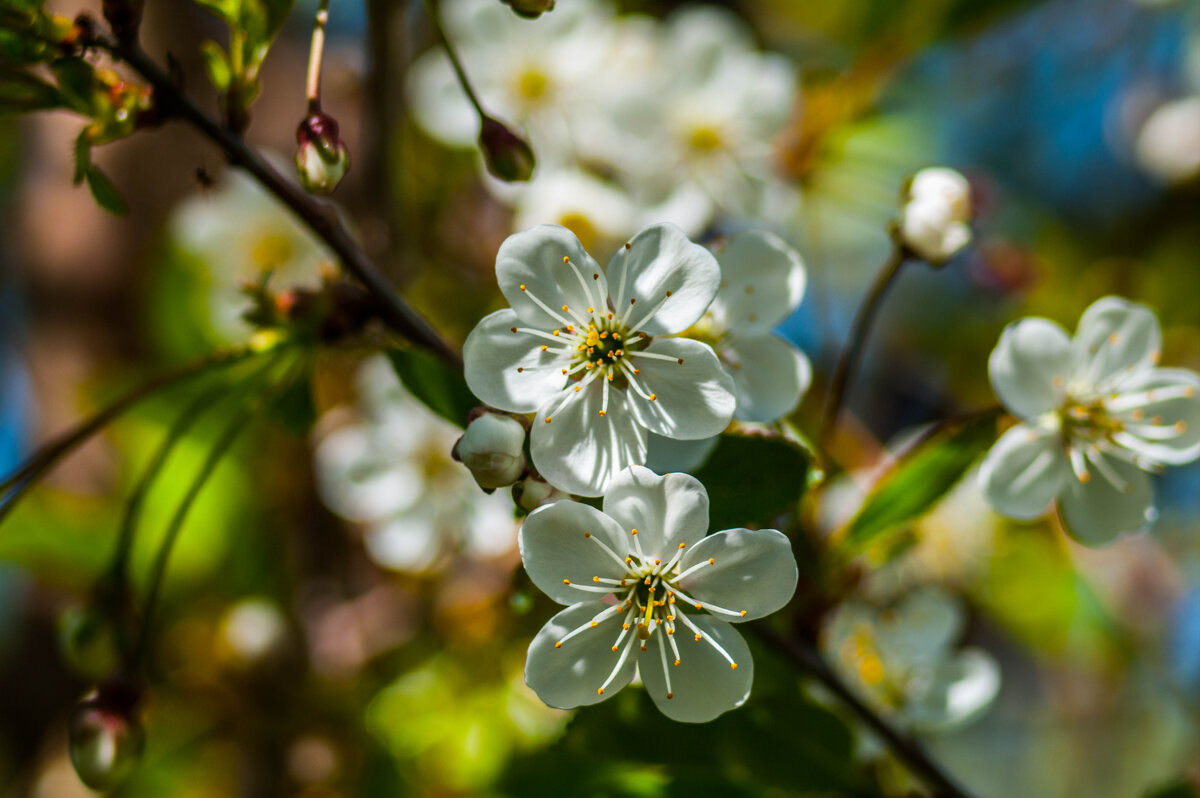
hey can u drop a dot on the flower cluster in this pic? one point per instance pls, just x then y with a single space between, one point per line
385 469
902 659
647 590
631 120
595 353
1097 414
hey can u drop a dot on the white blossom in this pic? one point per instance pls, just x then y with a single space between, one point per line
935 220
1168 144
1096 415
391 472
902 660
647 590
584 349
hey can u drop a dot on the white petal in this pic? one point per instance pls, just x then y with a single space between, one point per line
762 282
1024 471
1174 410
703 685
1097 511
661 259
666 510
492 355
534 259
438 102
569 676
693 399
554 546
1030 366
770 375
1114 337
922 628
753 570
959 690
358 481
409 542
670 454
580 451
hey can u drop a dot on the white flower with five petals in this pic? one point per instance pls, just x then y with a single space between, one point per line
1096 415
584 349
647 590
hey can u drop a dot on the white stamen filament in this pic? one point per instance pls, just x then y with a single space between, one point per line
704 604
607 550
707 638
1151 433
694 569
546 307
1078 464
1131 401
590 624
620 661
1106 471
653 311
624 272
628 370
587 291
662 653
637 546
657 356
558 339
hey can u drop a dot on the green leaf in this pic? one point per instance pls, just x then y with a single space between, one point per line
441 388
83 156
1183 788
216 65
21 93
751 479
919 481
295 408
77 84
105 192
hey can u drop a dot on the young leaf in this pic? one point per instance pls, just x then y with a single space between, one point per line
751 479
441 388
216 65
105 192
20 93
919 481
83 156
77 84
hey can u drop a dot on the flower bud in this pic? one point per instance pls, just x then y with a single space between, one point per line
507 155
934 222
493 449
106 739
532 492
322 158
530 9
87 639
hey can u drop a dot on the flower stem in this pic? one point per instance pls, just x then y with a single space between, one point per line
435 18
226 439
27 475
848 360
319 216
906 749
315 56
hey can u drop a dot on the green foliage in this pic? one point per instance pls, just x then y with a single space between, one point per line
441 388
106 194
294 408
234 71
752 479
919 481
21 93
1184 788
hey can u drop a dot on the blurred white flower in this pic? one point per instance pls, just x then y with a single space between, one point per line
1096 415
391 472
627 574
598 212
935 217
902 660
240 232
1168 144
253 629
584 348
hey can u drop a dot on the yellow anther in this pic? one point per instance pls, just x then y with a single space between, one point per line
512 329
1085 477
587 534
1138 415
610 377
565 308
637 371
555 333
599 691
547 419
595 579
558 644
743 613
566 581
578 389
653 396
712 561
594 624
677 662
668 293
670 631
643 648
614 649
591 309
522 286
733 666
566 258
603 413
657 561
544 347
625 626
1112 339
609 316
697 638
699 606
633 531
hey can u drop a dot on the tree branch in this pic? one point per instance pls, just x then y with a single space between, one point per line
322 218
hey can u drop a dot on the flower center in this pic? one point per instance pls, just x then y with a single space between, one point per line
532 84
650 600
705 139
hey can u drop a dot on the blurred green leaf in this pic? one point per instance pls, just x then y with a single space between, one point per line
751 479
83 156
919 481
1183 788
441 388
77 83
215 64
105 192
21 92
295 407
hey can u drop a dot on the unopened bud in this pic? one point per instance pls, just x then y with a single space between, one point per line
507 155
106 739
530 9
87 639
493 449
934 222
532 492
322 158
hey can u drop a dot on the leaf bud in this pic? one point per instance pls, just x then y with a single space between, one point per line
493 449
322 158
507 155
106 738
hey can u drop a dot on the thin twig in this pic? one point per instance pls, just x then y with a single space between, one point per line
907 749
848 361
435 18
322 218
315 57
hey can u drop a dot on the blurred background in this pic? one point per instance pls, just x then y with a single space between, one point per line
344 613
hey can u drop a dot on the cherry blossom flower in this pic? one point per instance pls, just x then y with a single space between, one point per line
902 660
591 361
647 590
1096 415
934 222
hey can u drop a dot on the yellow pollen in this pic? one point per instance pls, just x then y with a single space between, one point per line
624 626
610 377
633 531
566 258
522 286
712 561
697 638
636 372
733 666
1138 415
628 560
566 581
614 649
699 606
609 316
591 309
743 613
555 333
599 691
587 534
653 396
676 662
564 371
578 389
657 561
681 545
558 644
544 347
603 413
1085 477
595 579
670 631
593 338
594 624
547 419
565 308
1112 339
1181 426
